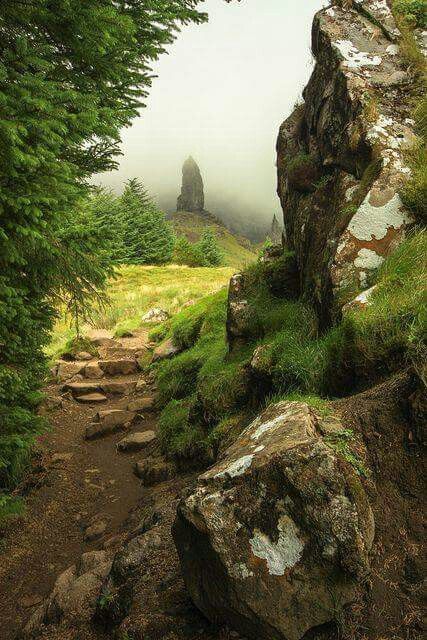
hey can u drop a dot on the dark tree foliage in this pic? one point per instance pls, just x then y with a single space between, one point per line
72 74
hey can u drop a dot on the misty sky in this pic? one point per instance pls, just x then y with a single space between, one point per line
220 95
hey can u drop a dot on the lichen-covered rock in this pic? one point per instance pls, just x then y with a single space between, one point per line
276 536
239 312
341 154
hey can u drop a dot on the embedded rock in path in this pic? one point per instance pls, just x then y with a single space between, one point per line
74 595
90 398
67 370
152 471
95 531
136 441
141 404
192 195
155 315
275 538
165 350
108 421
120 367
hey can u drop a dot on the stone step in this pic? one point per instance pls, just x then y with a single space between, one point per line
81 388
110 388
90 398
141 404
120 367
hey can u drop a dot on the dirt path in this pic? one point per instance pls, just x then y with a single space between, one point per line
90 479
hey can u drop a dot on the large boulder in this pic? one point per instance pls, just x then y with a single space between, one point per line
275 538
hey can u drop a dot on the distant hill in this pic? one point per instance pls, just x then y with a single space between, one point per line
238 251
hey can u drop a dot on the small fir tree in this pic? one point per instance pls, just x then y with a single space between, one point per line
147 236
209 249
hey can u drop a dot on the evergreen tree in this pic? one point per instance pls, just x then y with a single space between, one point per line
209 249
187 253
147 236
72 74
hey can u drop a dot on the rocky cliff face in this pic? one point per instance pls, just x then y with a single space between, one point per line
192 195
340 155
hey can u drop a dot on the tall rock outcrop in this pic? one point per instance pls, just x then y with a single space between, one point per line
192 195
341 154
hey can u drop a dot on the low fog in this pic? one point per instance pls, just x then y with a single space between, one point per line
221 95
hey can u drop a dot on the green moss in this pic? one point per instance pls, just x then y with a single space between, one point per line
340 443
179 437
320 405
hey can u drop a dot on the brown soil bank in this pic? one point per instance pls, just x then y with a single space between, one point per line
392 604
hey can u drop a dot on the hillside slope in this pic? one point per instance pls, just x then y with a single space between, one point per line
238 251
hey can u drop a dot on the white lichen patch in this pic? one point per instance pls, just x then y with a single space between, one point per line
371 222
392 49
353 58
236 468
350 192
240 571
330 12
259 449
368 259
272 425
280 555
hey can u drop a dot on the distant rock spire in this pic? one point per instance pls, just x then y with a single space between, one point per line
275 231
192 197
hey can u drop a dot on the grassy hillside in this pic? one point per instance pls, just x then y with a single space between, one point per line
138 288
238 251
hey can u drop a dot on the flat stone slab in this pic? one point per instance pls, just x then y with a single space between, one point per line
91 397
120 367
141 404
136 441
82 388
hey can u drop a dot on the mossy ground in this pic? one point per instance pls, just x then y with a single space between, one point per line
206 388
